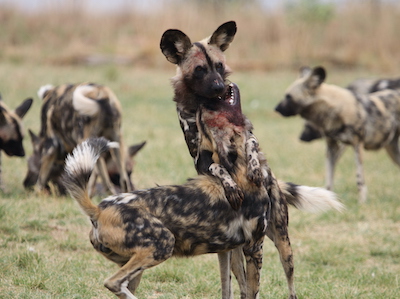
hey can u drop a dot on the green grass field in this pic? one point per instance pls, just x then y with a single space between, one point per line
44 246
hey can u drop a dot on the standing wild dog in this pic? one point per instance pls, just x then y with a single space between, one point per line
201 78
11 130
71 113
141 229
344 118
358 86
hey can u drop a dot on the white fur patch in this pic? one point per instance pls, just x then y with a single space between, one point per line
83 158
42 90
383 84
125 290
315 200
82 103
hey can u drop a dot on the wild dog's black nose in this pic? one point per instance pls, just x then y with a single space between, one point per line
218 86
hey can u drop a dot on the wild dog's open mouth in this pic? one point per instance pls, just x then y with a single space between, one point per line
231 95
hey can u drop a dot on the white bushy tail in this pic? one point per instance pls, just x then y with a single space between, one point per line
79 166
310 199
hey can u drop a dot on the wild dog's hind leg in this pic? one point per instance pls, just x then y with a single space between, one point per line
393 149
277 231
334 150
124 283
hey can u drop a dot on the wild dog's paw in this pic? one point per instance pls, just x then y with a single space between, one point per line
255 175
235 196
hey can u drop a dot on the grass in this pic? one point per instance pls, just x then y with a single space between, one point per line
44 246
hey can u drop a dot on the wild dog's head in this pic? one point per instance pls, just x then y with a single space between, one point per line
302 92
11 129
40 146
202 70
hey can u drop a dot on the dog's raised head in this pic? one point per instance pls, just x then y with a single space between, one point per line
202 69
302 92
11 128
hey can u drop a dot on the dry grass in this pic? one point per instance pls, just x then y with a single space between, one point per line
354 35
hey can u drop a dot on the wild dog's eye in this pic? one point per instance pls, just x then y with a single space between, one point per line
289 98
219 67
199 71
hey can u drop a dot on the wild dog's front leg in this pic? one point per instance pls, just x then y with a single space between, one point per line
362 188
254 172
334 150
237 266
232 191
224 259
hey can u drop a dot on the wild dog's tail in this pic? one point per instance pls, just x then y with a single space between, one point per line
83 102
310 199
79 166
42 92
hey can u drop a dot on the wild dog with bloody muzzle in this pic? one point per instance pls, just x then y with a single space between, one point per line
197 63
367 122
11 130
70 114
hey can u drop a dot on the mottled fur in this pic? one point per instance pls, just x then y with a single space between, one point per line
141 229
71 113
360 86
366 122
57 169
197 63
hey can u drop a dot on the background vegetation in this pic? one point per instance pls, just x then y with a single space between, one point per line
44 248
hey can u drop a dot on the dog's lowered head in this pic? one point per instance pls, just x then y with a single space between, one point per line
202 70
11 129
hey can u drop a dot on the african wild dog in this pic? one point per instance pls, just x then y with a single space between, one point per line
57 169
358 86
11 130
201 78
344 118
141 229
71 113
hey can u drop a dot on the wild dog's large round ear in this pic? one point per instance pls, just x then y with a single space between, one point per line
174 44
224 35
316 78
22 109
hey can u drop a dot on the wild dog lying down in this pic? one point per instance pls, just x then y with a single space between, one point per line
201 78
57 169
71 113
141 229
359 86
366 122
11 130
